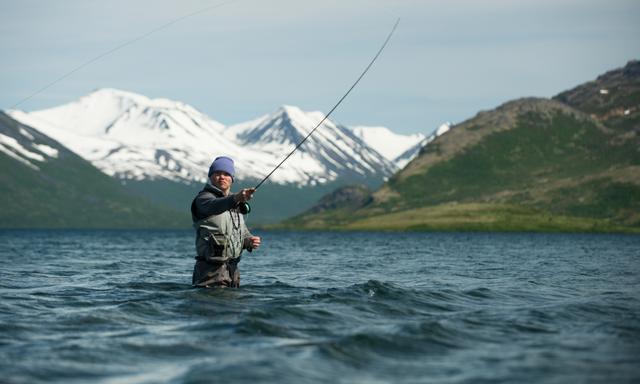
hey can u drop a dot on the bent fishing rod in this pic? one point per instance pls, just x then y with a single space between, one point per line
335 106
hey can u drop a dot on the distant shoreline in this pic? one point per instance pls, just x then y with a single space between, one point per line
470 217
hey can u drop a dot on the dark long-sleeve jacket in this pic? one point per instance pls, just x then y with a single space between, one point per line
210 201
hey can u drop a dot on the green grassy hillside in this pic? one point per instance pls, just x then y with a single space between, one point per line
558 162
530 164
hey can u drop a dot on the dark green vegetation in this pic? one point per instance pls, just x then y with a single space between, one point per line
567 164
68 192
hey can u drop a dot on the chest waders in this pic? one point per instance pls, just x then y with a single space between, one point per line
219 243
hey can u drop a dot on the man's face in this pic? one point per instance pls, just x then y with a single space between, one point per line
222 180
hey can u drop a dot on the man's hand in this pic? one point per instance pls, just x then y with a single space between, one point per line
252 242
244 195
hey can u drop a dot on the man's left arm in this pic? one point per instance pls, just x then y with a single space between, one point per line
249 241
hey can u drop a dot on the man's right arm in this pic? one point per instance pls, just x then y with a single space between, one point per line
208 204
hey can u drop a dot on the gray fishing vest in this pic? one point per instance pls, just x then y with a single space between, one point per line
220 238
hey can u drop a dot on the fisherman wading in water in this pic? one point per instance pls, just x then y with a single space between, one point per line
221 234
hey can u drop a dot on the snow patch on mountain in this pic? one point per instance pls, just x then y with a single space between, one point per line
399 149
12 148
442 129
387 143
22 146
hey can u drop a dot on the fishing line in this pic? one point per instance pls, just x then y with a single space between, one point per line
335 106
119 47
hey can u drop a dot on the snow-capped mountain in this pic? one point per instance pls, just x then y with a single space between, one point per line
387 143
331 151
405 157
131 136
399 149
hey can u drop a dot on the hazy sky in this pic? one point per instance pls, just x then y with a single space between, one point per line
447 61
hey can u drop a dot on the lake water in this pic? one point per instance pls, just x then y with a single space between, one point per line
117 307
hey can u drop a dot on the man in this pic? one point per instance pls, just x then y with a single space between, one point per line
221 234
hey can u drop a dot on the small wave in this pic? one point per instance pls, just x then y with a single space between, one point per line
480 293
151 286
148 345
259 327
389 298
288 320
269 287
422 338
372 288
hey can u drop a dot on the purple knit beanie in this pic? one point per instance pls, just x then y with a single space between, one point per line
222 163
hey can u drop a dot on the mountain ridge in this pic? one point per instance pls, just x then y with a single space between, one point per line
133 137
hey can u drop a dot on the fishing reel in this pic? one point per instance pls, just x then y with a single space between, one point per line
244 208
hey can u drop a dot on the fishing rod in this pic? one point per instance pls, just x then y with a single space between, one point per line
117 48
335 106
